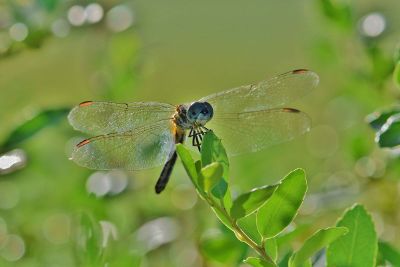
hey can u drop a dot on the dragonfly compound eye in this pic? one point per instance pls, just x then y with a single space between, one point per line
200 112
209 108
194 109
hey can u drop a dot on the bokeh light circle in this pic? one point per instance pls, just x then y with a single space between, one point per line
13 249
76 15
60 28
373 24
119 18
18 32
94 13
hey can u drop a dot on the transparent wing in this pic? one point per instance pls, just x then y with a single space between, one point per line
142 148
254 130
105 117
267 94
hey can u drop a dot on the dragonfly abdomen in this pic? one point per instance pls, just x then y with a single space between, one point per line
179 135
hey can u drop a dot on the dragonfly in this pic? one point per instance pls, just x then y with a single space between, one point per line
141 135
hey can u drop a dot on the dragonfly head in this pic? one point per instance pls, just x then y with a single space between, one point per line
200 113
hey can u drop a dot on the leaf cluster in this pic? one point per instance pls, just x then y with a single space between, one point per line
260 217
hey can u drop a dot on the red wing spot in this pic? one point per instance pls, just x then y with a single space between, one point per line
300 71
84 142
292 110
85 103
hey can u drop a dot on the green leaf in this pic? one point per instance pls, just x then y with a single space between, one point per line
249 226
212 150
188 164
396 74
286 237
315 243
358 248
223 218
32 126
337 11
211 175
382 66
284 262
271 248
389 253
88 239
49 5
249 202
377 119
197 165
36 38
389 135
281 208
122 256
257 262
220 189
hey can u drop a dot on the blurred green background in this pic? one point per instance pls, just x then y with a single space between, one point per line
57 53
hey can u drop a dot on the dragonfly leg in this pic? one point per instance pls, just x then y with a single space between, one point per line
198 143
197 136
202 131
191 132
193 140
205 128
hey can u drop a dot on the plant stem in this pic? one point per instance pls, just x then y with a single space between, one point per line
245 238
240 234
